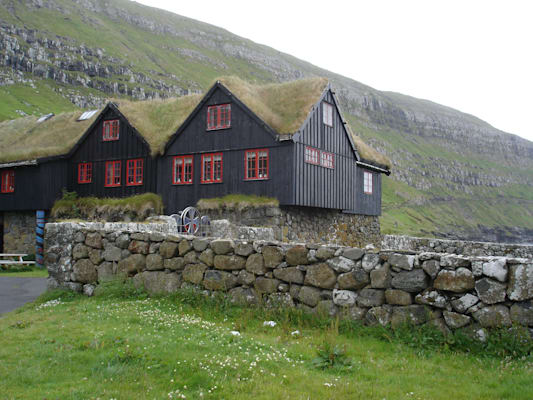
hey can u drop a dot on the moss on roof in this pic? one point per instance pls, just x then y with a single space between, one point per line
158 120
283 106
26 139
368 153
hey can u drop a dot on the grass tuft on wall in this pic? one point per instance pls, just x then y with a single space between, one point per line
237 202
70 206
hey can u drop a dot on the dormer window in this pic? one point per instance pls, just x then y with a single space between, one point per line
327 114
110 130
8 181
218 117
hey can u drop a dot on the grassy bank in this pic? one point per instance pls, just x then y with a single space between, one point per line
26 272
124 345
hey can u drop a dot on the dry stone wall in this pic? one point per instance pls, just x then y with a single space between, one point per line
304 224
387 287
414 244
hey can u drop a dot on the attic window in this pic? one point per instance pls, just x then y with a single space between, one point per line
8 181
112 173
110 130
85 172
134 172
218 117
327 114
183 170
367 184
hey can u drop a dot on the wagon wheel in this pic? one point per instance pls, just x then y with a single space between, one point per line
190 218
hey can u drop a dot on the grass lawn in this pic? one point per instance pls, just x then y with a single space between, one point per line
32 272
124 345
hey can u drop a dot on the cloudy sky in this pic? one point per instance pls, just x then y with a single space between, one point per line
475 56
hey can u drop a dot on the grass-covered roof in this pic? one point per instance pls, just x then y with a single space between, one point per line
284 107
26 138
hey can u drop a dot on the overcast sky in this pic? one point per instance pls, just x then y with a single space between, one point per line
475 56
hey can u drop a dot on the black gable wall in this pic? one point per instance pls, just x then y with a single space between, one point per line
97 151
338 188
246 133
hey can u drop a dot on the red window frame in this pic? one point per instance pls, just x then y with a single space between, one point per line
327 113
368 182
327 160
85 172
110 130
256 168
185 175
312 155
134 172
116 166
8 181
219 117
210 174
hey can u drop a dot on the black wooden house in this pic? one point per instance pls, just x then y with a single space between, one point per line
226 147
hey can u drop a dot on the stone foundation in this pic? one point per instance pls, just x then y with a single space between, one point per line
305 224
19 232
448 291
407 243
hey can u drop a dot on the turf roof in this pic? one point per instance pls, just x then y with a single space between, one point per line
284 107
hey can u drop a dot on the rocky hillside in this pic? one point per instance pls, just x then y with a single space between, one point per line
454 175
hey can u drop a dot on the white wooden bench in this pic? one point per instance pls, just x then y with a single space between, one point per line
14 259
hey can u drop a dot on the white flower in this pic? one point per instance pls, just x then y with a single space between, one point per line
235 333
295 333
270 323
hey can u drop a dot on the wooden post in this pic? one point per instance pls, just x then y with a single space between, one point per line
39 230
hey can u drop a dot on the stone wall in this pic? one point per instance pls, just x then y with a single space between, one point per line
447 290
414 244
305 224
19 232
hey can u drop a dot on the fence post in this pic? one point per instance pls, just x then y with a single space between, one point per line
39 239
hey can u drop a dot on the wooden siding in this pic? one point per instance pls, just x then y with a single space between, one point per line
97 151
368 204
246 133
317 186
36 187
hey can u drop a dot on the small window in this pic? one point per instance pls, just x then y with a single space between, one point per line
368 178
327 159
311 155
256 164
85 172
212 168
218 117
182 171
327 114
112 173
110 130
134 172
8 181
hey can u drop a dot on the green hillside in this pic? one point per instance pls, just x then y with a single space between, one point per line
453 174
